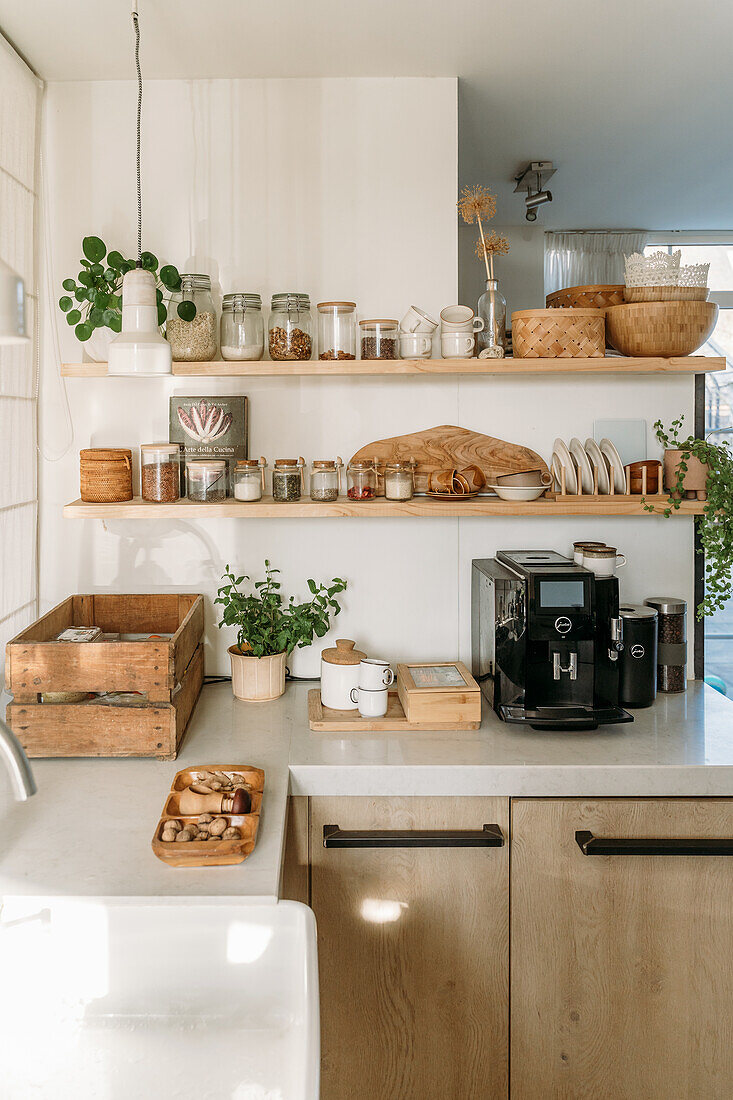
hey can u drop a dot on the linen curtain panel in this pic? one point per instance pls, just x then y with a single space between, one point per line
582 258
20 97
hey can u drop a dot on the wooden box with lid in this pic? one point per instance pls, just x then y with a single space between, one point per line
439 691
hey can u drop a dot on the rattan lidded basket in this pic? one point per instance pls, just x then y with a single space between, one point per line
588 296
105 474
558 333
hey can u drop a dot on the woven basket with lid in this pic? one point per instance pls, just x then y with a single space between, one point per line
105 474
343 653
588 296
558 333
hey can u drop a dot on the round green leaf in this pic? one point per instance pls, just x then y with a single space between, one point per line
186 311
150 262
108 317
169 277
73 317
65 303
97 270
101 300
114 301
69 284
94 249
116 323
81 294
111 276
83 331
85 278
96 317
158 295
162 314
116 260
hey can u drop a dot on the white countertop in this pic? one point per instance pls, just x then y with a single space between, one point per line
88 830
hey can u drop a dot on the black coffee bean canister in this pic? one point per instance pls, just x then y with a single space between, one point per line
672 642
638 659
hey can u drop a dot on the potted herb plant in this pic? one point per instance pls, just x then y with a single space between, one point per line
93 301
703 467
268 629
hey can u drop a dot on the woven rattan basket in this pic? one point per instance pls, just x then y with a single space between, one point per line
558 333
596 296
105 474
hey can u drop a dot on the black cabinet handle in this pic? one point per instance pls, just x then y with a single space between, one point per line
648 846
489 836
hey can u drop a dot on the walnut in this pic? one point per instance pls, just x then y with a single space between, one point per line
204 819
203 834
218 826
231 833
174 825
183 836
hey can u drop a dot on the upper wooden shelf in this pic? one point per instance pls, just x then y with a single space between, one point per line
344 508
611 364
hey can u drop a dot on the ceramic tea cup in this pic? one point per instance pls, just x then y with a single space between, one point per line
603 560
416 320
579 547
371 704
460 319
375 674
416 345
441 481
457 345
529 479
474 475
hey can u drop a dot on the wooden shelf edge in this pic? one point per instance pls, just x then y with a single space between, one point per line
694 364
425 507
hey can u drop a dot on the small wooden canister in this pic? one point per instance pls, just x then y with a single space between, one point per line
105 474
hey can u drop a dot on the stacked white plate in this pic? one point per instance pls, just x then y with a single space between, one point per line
578 460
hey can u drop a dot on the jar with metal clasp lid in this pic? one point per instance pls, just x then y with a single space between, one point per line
290 328
194 340
242 327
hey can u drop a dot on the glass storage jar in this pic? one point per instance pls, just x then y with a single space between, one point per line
249 479
160 472
242 327
379 339
325 474
206 480
361 481
671 642
192 341
336 330
290 327
287 479
399 480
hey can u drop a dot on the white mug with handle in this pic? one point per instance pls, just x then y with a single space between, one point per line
460 319
603 560
371 704
416 320
375 675
457 345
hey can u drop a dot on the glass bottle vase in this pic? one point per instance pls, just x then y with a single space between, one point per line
492 311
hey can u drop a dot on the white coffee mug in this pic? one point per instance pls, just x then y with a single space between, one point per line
374 674
371 704
457 345
603 564
460 319
416 320
416 345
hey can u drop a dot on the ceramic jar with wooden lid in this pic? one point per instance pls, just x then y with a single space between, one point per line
105 474
339 674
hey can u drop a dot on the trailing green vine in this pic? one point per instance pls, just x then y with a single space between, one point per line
715 525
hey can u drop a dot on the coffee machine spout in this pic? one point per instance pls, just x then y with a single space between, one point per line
571 668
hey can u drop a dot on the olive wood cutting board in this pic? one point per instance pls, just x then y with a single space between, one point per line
324 720
448 447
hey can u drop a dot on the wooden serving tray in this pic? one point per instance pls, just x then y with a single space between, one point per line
324 720
210 853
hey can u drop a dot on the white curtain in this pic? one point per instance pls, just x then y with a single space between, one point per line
583 257
20 97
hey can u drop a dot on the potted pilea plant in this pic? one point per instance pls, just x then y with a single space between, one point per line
700 466
93 302
268 629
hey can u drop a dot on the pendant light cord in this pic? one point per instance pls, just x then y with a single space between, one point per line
136 25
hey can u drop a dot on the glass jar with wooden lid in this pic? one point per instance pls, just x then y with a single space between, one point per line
361 481
160 472
336 330
206 480
325 478
287 479
379 338
249 479
105 474
399 480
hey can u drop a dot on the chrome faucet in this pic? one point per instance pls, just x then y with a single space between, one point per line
16 761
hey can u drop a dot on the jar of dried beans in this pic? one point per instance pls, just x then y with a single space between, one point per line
206 480
671 643
287 479
249 479
361 481
379 339
290 327
242 327
325 479
399 480
160 472
336 330
191 331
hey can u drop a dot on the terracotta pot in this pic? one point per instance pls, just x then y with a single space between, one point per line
257 679
697 472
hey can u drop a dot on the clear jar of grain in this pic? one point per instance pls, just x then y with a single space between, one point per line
325 479
336 330
379 339
192 340
287 479
206 480
361 480
249 479
399 480
242 328
290 328
160 472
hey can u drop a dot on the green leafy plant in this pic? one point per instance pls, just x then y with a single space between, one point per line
93 300
265 624
715 525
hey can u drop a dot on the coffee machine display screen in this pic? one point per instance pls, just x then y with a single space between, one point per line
561 593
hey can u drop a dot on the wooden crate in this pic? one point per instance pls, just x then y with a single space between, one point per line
35 664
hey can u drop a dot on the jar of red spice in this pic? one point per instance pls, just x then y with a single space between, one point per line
361 481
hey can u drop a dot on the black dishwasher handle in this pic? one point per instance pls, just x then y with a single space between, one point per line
650 846
488 836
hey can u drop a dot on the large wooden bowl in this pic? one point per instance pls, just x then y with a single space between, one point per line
660 328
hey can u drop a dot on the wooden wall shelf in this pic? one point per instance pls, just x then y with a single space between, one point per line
693 364
344 508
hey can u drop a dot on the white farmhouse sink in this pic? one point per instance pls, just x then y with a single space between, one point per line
119 999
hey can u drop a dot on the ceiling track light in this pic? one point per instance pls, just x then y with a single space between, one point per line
532 179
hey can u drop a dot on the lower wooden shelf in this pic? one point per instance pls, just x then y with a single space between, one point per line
343 508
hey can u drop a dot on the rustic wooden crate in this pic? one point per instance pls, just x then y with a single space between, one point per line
35 664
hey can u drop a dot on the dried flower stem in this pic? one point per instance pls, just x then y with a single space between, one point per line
483 242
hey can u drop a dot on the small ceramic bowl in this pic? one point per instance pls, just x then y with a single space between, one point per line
518 492
525 479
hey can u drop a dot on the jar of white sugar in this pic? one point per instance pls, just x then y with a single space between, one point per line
249 479
242 333
191 326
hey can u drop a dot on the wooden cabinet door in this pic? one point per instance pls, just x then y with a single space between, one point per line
622 964
413 953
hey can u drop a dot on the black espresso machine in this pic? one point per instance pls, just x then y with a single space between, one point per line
546 635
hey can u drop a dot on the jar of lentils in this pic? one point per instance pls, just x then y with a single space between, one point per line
361 481
325 475
287 479
242 327
671 642
399 480
206 480
336 330
379 339
191 332
290 327
160 472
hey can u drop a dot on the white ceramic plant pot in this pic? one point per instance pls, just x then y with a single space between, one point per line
97 346
257 679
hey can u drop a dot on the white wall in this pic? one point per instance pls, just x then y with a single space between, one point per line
319 185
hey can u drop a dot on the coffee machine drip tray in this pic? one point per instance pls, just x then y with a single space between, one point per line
564 718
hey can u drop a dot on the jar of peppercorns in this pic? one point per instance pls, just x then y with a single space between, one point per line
361 481
290 327
287 479
379 339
